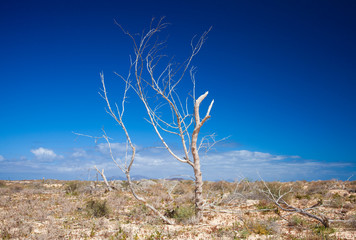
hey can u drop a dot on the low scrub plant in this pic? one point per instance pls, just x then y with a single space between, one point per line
4 234
322 231
337 201
97 208
71 188
265 205
257 227
2 184
183 214
297 221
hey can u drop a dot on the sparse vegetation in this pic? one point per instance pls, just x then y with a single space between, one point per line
49 210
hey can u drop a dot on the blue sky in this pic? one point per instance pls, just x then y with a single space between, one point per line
282 74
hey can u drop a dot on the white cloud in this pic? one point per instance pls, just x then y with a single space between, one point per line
45 154
2 158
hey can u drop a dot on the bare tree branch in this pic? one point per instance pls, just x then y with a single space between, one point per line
278 200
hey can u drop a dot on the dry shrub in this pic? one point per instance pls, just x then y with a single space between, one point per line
186 198
266 205
97 208
183 193
351 198
351 222
117 200
16 227
184 187
337 201
318 187
16 188
4 233
259 227
351 187
2 184
158 193
220 186
296 220
139 213
225 232
250 190
304 202
277 189
53 232
71 188
75 188
120 234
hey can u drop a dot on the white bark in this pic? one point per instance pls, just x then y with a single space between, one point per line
104 178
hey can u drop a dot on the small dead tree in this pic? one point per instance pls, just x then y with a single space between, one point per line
277 197
155 83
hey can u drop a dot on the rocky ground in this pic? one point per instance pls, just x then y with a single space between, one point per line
53 209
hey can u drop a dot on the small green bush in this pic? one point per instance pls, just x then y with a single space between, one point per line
97 208
182 213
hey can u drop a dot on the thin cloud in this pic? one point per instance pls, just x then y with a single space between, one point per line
229 165
116 148
243 157
79 153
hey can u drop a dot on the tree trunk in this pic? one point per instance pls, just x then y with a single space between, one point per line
199 201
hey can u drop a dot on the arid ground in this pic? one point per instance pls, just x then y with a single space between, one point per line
53 209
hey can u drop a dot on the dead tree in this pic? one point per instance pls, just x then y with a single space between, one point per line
155 81
110 188
278 199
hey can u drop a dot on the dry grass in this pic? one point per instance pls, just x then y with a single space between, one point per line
54 209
